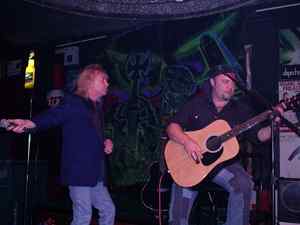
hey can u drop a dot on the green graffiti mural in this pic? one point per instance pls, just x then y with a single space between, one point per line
178 85
207 49
135 121
145 91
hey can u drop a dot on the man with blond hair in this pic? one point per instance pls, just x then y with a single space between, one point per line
84 147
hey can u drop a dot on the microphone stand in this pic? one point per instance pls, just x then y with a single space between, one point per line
27 174
274 178
274 136
263 101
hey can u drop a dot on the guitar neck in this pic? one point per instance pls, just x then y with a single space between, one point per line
246 125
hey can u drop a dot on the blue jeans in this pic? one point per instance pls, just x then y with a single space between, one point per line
84 197
234 179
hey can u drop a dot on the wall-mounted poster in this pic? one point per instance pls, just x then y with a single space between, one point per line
287 90
289 86
290 53
71 65
152 71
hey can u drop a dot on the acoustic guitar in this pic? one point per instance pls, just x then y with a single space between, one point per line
218 140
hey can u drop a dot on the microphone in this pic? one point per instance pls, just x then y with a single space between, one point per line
4 123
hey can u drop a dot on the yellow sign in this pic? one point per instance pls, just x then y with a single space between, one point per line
30 71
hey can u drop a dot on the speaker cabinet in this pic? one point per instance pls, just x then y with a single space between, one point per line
12 189
289 200
289 155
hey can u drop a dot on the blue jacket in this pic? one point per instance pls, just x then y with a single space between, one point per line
82 157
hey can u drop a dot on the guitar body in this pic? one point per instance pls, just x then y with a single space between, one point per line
184 170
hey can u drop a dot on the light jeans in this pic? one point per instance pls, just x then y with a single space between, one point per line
84 197
234 180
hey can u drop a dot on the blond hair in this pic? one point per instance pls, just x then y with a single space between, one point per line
87 77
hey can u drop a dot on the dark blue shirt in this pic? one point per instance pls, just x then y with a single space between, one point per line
82 157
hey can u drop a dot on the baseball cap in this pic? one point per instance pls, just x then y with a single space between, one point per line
222 69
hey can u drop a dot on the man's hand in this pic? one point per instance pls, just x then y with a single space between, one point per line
264 133
108 146
280 109
194 150
19 125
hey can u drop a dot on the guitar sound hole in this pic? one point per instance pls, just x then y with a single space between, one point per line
213 144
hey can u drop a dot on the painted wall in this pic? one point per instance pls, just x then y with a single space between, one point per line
152 72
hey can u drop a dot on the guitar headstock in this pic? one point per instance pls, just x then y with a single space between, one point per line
292 103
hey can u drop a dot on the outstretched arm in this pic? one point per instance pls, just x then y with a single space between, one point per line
19 125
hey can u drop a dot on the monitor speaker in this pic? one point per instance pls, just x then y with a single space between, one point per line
288 200
289 155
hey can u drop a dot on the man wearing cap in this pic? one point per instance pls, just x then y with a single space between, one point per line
216 103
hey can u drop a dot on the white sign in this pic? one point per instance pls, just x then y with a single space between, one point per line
71 55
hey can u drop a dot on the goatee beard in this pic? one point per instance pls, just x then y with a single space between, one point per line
226 98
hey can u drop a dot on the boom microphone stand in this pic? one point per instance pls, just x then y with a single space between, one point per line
275 144
29 84
274 136
263 101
